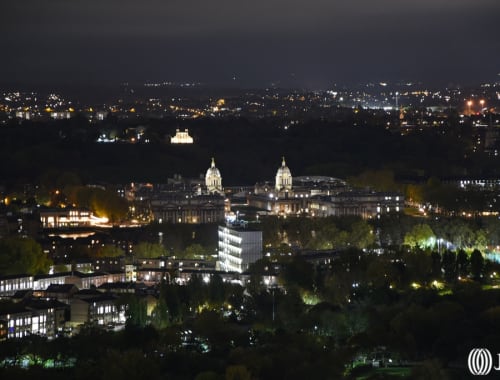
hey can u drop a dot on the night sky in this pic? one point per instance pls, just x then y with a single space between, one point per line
298 43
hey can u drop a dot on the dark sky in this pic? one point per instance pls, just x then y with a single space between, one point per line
310 43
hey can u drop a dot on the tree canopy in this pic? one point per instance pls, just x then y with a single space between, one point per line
22 255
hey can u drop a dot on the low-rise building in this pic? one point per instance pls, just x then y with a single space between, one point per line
366 204
65 217
34 316
100 310
9 285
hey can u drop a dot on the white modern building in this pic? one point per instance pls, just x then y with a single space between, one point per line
239 246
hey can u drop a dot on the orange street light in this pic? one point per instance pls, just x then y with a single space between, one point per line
469 104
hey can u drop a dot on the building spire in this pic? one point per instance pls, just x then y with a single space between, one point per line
213 162
283 161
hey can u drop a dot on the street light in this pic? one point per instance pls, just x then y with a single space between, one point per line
482 104
469 104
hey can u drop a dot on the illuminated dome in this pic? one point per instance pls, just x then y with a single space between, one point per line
283 177
213 179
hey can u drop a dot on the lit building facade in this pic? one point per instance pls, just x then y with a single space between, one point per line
213 179
238 247
181 137
65 217
283 178
98 310
319 196
188 208
185 201
33 317
13 283
366 204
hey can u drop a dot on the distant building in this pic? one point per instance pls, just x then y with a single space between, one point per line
187 201
31 317
10 284
283 178
213 179
188 208
98 310
60 115
65 217
181 137
366 204
239 246
320 196
27 115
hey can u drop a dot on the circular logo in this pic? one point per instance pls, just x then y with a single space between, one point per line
480 361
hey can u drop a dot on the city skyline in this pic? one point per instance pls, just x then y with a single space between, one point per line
294 44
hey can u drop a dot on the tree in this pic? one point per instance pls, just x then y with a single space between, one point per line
135 309
382 180
159 316
476 264
216 289
419 266
237 372
449 264
193 251
149 250
173 302
196 290
108 250
361 234
130 364
462 263
414 193
105 203
298 272
421 235
481 240
22 255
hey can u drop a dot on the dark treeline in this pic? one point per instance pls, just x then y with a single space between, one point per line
246 151
319 322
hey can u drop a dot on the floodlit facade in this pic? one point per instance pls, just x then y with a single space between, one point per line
185 201
320 196
189 208
283 177
238 247
366 204
181 137
66 217
213 179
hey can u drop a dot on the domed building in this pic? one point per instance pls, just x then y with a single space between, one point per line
213 179
188 200
320 196
283 178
